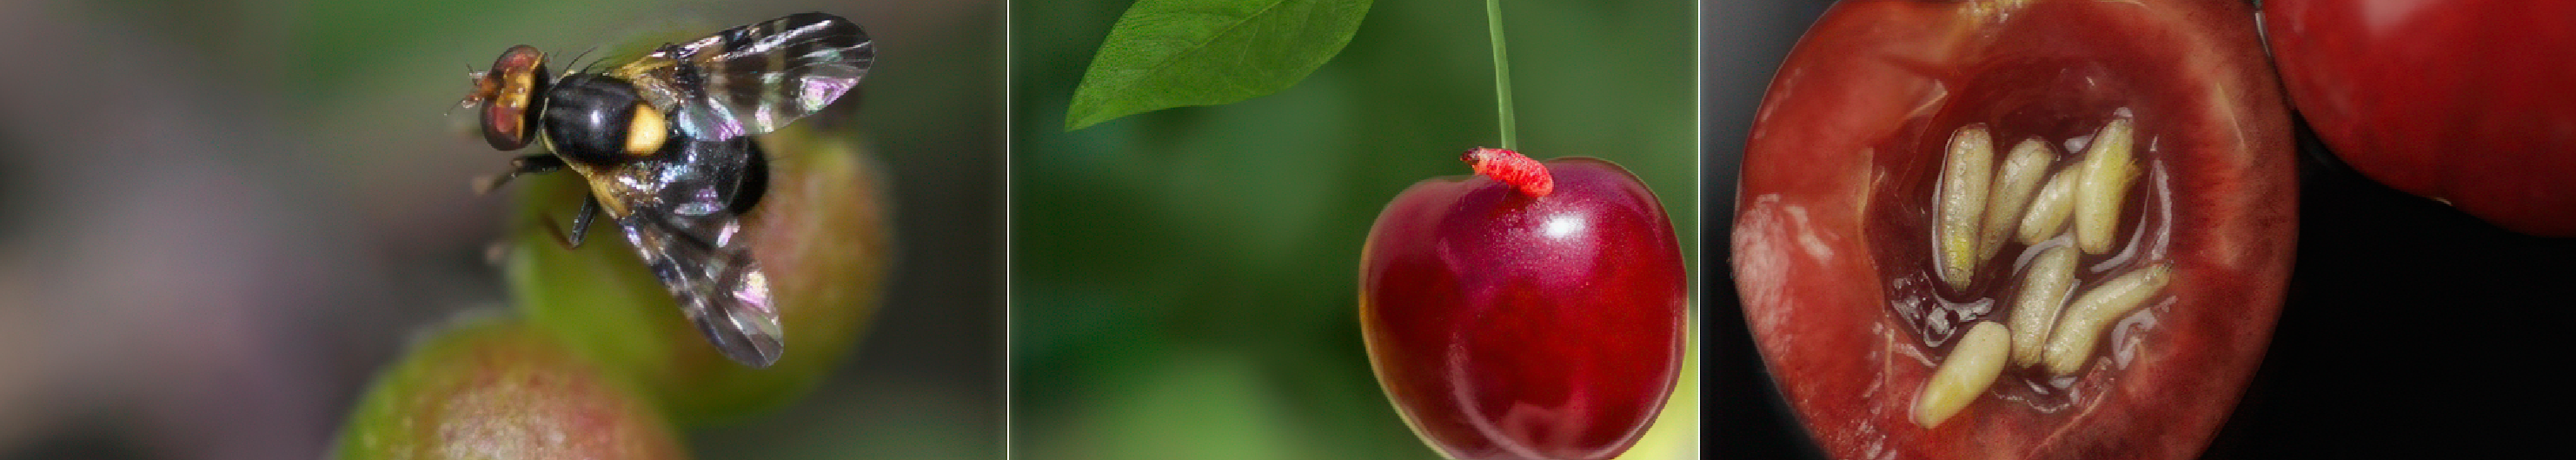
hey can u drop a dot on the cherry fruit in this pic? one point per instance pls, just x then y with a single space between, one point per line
1538 316
2462 101
2017 229
487 386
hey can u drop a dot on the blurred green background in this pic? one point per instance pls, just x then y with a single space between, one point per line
218 219
1184 281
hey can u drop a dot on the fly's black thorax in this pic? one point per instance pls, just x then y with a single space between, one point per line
601 123
592 119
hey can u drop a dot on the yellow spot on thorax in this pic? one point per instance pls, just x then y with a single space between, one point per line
646 131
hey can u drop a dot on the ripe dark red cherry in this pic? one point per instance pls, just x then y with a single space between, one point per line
2017 229
2463 101
1516 321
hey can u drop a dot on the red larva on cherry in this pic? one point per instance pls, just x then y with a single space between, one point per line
1534 311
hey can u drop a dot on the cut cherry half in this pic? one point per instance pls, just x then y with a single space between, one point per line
2017 229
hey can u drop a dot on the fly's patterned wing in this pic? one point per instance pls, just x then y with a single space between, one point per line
755 78
675 209
715 280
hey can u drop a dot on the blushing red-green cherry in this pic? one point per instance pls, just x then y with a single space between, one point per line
823 232
494 387
1534 311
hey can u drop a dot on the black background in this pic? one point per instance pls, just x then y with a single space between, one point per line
2410 329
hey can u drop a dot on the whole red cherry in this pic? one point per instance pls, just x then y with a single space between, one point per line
1538 316
2017 229
2463 101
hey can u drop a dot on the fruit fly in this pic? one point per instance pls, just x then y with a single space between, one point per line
664 143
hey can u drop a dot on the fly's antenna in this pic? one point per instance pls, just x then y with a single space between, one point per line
470 101
568 65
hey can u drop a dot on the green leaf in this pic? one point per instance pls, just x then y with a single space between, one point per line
1174 53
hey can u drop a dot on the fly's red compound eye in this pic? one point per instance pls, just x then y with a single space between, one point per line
507 93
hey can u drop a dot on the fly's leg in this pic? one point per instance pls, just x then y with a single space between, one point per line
580 224
525 164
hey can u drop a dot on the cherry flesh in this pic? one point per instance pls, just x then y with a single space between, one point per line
1865 295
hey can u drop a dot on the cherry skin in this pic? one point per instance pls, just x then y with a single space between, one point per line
1507 326
1834 234
823 233
491 386
2462 101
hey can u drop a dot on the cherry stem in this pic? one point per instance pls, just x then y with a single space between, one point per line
1502 73
1511 168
